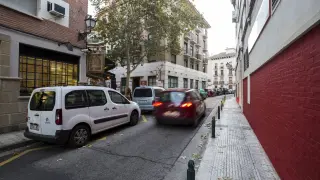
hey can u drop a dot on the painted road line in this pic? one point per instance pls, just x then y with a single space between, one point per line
144 119
21 154
101 139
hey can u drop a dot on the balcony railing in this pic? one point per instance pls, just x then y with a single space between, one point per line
230 82
187 36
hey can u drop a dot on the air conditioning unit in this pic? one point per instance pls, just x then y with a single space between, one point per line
234 17
56 10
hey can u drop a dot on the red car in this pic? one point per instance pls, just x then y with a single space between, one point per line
179 106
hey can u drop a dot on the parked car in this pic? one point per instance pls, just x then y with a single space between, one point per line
72 114
144 96
179 107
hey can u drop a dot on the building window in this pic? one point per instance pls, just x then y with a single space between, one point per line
152 81
197 84
198 40
230 86
172 82
204 44
246 60
230 72
186 62
221 72
216 87
192 64
197 66
38 72
216 73
204 68
203 84
173 59
185 83
191 50
185 48
191 83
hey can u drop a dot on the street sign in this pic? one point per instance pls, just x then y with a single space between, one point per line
95 62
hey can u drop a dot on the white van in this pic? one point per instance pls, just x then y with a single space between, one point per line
72 114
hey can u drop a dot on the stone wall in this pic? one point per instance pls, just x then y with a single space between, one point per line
12 108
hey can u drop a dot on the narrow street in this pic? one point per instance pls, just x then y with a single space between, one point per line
142 152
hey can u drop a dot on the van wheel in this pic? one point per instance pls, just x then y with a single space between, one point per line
79 137
134 118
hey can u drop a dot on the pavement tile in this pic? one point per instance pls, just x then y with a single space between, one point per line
13 139
235 153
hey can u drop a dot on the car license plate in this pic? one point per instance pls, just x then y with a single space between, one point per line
172 113
34 127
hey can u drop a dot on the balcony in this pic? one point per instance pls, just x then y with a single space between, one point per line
230 82
199 56
215 67
234 17
230 74
205 61
198 30
205 35
198 44
216 82
186 53
233 2
205 49
187 36
221 82
221 67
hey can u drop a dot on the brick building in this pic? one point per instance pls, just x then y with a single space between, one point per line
278 80
39 47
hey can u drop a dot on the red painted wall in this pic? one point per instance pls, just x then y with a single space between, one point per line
285 108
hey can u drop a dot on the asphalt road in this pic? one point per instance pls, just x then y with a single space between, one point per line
146 151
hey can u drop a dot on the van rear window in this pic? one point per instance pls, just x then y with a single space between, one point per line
174 97
147 92
43 101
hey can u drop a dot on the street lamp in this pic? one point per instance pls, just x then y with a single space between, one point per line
90 24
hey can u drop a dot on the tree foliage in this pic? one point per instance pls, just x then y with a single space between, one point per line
138 29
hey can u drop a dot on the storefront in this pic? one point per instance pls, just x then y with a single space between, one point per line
42 68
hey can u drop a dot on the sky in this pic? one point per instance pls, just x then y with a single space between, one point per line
218 13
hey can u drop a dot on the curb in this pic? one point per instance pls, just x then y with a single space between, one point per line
179 168
16 145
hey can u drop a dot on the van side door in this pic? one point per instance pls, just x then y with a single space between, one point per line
99 110
76 108
119 109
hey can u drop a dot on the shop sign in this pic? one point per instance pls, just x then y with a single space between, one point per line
95 62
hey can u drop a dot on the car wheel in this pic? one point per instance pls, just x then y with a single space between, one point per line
134 118
79 137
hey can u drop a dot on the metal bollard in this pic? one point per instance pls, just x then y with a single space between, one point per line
218 112
213 127
191 173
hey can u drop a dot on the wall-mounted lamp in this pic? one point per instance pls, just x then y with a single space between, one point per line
90 24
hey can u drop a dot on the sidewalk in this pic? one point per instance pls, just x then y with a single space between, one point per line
235 153
13 140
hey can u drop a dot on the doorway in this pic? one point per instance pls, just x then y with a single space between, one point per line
135 82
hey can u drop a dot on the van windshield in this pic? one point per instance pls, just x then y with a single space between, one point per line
146 92
43 101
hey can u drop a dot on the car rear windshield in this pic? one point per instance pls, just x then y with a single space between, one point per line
43 101
175 97
146 92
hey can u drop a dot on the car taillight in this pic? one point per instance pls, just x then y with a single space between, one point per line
187 104
156 104
59 117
